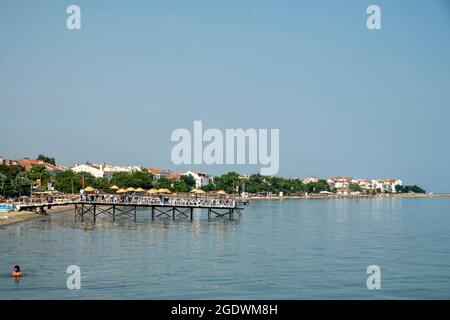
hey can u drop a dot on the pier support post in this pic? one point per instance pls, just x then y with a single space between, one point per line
95 215
191 212
173 213
153 213
114 213
135 207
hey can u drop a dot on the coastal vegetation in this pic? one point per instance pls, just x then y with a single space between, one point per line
15 181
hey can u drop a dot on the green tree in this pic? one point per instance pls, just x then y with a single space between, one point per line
10 172
46 159
413 189
101 184
355 187
189 181
316 187
227 182
164 183
39 172
66 181
22 184
142 179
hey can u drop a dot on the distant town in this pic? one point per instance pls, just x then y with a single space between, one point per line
42 175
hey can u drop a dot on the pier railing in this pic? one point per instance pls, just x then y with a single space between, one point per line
185 200
115 205
161 201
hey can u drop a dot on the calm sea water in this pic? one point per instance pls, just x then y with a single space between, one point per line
291 249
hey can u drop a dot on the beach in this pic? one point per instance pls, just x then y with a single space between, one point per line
7 218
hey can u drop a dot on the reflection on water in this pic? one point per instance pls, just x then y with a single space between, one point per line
291 249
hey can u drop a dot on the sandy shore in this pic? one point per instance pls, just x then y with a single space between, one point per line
7 218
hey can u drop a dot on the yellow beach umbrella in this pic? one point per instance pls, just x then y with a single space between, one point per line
140 190
131 189
200 191
89 189
121 191
164 190
194 190
221 192
114 187
152 190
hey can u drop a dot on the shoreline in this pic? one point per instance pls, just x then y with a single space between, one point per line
329 197
12 217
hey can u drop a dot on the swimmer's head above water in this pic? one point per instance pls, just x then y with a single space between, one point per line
16 271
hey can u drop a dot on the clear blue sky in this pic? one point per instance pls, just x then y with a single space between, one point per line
347 101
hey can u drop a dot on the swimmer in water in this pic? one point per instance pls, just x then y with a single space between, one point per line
16 272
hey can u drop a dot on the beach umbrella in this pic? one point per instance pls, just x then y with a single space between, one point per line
89 189
121 191
164 190
140 190
152 191
221 192
200 191
194 190
114 187
131 189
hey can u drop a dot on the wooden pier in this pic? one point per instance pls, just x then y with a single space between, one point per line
156 210
127 207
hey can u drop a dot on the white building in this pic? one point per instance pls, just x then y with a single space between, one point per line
96 172
310 179
201 179
110 169
388 185
339 182
103 170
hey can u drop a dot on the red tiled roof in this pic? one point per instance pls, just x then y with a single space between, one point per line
157 171
30 162
174 175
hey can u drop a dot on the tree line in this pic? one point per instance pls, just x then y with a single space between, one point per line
15 181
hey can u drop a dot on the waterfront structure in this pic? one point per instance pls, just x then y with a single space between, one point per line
174 207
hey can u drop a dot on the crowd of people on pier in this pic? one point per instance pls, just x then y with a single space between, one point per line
158 200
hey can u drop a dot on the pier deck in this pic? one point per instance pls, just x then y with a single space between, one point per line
172 207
